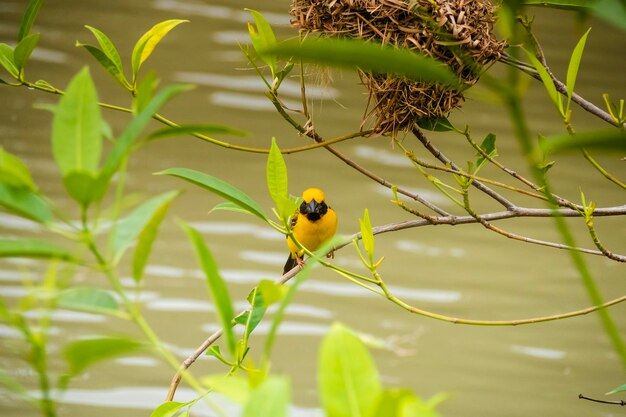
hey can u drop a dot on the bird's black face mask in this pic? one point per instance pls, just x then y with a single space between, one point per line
313 210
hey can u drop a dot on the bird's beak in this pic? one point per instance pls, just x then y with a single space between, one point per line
312 206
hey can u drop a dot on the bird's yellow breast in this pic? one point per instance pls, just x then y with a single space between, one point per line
312 234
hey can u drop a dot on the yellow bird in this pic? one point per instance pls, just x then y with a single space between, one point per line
312 224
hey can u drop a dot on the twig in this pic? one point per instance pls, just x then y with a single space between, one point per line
208 342
448 162
619 402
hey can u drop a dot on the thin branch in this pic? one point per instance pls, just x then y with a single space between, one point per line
562 88
448 162
618 402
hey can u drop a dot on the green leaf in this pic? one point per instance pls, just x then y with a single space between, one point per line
82 187
367 235
109 49
106 63
612 139
23 50
547 82
621 388
391 402
32 10
488 146
217 287
31 248
416 407
147 237
233 387
169 409
82 354
76 128
90 300
145 91
277 182
368 56
148 41
13 172
561 4
25 203
125 142
6 60
348 381
437 124
263 38
147 215
219 187
229 206
612 11
270 399
574 65
208 129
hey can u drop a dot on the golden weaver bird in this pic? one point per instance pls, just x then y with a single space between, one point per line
312 224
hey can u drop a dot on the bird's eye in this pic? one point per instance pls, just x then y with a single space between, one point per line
303 207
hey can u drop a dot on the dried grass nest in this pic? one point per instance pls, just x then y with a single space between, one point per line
457 32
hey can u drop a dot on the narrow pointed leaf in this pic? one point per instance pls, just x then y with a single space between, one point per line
31 248
106 63
219 187
170 409
6 60
147 215
217 287
23 50
145 91
109 49
146 239
90 300
489 147
208 129
547 82
612 11
32 10
348 380
229 206
263 38
367 235
621 388
574 65
82 354
614 139
277 182
13 172
561 4
368 56
146 44
76 129
25 203
438 124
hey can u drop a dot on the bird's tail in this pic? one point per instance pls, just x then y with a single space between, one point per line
290 264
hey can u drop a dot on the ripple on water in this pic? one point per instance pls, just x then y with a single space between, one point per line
538 352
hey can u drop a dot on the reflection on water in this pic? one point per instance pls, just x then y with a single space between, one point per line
538 352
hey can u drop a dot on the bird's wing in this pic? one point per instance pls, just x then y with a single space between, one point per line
293 220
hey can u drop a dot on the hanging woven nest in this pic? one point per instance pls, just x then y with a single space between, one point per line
456 32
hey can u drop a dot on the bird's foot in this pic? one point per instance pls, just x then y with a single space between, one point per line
300 262
331 254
